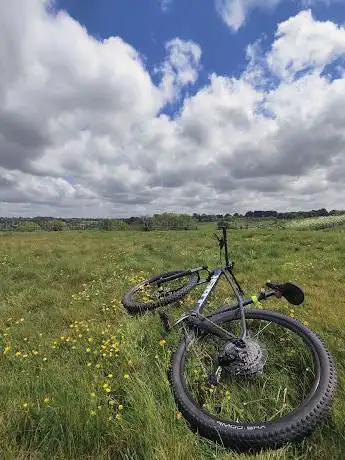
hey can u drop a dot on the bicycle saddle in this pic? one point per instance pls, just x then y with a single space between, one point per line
290 291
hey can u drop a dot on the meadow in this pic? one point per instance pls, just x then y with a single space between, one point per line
81 379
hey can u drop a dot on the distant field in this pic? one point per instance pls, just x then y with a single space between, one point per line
80 379
317 223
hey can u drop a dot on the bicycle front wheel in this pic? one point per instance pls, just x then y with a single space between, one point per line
158 290
280 390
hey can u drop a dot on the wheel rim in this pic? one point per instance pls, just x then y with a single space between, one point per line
155 292
289 378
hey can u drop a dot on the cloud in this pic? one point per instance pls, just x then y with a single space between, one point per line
165 5
83 129
180 68
319 43
234 12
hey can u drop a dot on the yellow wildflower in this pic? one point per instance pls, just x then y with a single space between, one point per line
120 406
162 342
25 405
46 400
7 349
92 413
126 376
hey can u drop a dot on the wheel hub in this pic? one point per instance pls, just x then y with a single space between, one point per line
247 359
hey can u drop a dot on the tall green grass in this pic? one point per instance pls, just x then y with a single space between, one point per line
81 379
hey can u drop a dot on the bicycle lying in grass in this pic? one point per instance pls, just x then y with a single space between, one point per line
249 378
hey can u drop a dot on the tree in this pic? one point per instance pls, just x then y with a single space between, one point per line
28 226
56 225
106 224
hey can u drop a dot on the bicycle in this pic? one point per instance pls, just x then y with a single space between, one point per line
211 386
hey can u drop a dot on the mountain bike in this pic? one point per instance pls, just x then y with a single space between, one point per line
247 378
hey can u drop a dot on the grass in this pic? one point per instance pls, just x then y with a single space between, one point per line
81 379
317 223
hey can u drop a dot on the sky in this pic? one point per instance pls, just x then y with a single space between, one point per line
118 108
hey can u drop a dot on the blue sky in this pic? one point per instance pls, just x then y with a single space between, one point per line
145 26
245 112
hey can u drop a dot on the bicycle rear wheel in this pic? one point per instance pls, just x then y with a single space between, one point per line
154 292
279 393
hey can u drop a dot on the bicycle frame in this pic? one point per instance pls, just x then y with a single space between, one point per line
198 321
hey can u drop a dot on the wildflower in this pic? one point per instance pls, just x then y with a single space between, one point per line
162 342
118 417
105 385
18 353
88 364
46 400
35 352
120 406
62 337
25 356
25 405
45 359
108 390
92 413
178 415
306 323
126 376
7 349
93 394
110 376
88 350
21 320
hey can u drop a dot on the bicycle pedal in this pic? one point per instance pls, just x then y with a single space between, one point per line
165 320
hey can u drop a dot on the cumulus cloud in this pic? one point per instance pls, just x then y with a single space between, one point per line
83 129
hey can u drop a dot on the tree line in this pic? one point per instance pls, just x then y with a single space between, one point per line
165 221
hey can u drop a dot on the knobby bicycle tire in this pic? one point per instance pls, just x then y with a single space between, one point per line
136 307
253 436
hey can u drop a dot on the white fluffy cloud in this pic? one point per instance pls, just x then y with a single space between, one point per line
234 12
83 129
